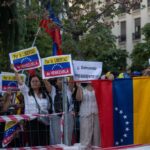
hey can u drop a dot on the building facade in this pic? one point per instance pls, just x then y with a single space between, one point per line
127 27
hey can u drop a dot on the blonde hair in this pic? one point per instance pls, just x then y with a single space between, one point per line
109 76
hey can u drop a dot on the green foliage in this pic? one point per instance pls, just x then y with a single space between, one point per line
83 36
43 42
18 29
146 32
8 32
97 45
141 51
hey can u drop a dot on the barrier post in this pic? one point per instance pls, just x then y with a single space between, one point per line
65 110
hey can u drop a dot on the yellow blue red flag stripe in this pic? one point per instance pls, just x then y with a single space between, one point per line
124 111
11 129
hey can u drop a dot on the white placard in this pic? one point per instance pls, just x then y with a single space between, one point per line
87 70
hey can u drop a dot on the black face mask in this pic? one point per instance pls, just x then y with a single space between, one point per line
84 84
11 110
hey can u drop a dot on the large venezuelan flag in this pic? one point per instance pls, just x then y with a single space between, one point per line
124 110
52 26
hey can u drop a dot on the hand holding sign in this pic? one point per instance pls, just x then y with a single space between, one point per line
12 67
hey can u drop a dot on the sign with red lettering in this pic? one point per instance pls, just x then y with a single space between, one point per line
57 66
25 59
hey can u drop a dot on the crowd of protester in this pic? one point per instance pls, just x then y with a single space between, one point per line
45 97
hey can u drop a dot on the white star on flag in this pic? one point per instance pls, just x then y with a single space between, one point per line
116 108
127 122
125 117
121 112
127 129
125 135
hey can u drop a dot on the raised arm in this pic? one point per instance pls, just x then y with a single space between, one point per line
48 86
71 85
79 94
18 78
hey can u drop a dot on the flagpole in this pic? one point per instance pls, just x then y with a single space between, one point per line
38 30
65 109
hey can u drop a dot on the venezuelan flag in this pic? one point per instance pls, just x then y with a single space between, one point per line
11 129
58 69
124 111
9 84
54 30
57 66
27 62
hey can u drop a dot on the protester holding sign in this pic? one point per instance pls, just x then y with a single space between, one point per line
13 103
37 100
89 122
57 98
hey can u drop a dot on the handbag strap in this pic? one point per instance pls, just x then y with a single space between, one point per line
50 101
37 103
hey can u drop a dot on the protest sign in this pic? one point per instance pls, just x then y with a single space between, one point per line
8 81
87 70
25 59
57 66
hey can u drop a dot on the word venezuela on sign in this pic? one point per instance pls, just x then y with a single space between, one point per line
25 59
8 81
57 66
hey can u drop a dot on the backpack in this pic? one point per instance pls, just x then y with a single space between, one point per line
58 102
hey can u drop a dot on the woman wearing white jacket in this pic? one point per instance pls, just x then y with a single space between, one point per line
89 122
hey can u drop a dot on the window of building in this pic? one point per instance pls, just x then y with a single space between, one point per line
122 8
137 31
108 1
28 3
148 3
137 6
122 37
